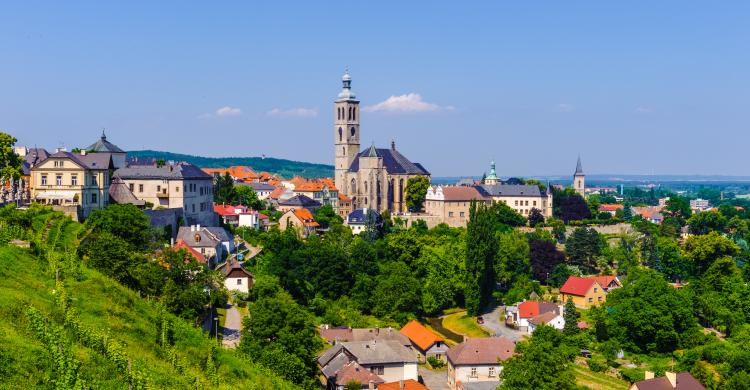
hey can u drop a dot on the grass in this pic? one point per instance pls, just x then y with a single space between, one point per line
598 380
465 325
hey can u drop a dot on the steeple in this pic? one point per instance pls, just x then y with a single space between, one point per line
579 179
104 136
491 178
579 168
346 92
372 152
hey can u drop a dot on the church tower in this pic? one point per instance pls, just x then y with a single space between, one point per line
579 179
346 132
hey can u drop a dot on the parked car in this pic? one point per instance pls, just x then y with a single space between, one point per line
480 320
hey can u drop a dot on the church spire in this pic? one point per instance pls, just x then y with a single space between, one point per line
579 168
346 93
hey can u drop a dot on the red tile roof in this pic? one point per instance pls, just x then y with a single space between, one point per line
610 207
420 335
197 255
576 285
229 210
352 371
531 309
460 193
306 217
275 194
409 384
344 198
481 351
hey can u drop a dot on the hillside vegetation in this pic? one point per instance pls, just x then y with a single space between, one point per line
88 331
277 166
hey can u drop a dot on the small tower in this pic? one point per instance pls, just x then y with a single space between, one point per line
579 179
491 178
346 131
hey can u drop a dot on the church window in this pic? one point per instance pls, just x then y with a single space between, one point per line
350 114
341 134
353 131
354 113
344 150
365 186
354 186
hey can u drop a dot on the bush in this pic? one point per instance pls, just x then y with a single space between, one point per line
597 366
434 362
632 375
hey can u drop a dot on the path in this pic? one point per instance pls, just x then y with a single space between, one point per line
493 323
232 327
434 380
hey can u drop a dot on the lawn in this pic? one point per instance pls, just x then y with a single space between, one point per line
597 380
463 324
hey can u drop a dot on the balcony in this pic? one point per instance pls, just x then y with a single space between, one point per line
163 195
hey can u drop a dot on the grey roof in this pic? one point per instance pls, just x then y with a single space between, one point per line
371 152
357 217
176 171
299 201
363 334
102 145
257 186
393 161
191 238
94 161
121 194
579 168
510 190
33 156
220 233
334 361
379 352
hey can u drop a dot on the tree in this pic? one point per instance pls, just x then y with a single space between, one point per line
703 250
246 195
10 162
512 260
678 207
224 191
569 205
627 211
416 191
353 385
542 362
326 215
125 221
583 247
504 216
535 217
544 257
110 254
706 222
481 248
397 293
571 318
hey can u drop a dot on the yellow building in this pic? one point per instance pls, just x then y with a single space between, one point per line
587 291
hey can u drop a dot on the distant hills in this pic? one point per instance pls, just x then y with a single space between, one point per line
277 166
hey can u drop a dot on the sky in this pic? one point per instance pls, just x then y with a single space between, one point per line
633 87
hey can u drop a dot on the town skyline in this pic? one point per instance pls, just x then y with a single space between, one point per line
508 93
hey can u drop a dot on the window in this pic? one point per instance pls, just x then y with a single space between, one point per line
58 180
177 189
353 131
596 289
341 134
534 203
74 180
93 179
193 207
450 213
140 187
591 299
158 188
44 180
527 203
461 214
492 371
239 281
516 203
131 187
93 197
473 372
377 370
600 298
354 113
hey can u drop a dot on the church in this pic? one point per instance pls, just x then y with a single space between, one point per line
375 177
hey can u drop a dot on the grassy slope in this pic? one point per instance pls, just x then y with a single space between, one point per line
460 323
598 381
285 168
103 304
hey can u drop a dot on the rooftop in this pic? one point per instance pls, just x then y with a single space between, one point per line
420 335
102 145
481 351
173 171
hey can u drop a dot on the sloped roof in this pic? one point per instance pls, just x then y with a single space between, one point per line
420 335
481 351
120 193
510 190
198 237
544 318
176 171
610 207
606 280
353 371
393 161
359 216
530 309
409 384
93 161
102 145
461 193
258 186
197 255
379 352
684 381
344 198
363 334
299 201
576 285
579 167
234 269
306 217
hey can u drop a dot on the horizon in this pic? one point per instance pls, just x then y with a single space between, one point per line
632 88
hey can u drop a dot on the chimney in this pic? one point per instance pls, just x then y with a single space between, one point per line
198 227
672 378
371 385
401 384
83 152
649 375
192 228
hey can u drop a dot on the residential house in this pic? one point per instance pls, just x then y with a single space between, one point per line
236 277
388 359
424 341
204 241
76 184
238 216
588 291
31 157
300 219
478 360
333 335
321 191
671 381
297 202
610 208
554 319
350 371
409 384
262 190
358 219
345 205
240 173
451 203
519 316
172 185
650 213
698 205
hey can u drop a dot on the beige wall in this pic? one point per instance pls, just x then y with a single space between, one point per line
463 374
453 213
91 191
594 296
194 196
523 204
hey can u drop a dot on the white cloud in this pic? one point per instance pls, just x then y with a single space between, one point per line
564 107
411 102
228 111
644 110
294 112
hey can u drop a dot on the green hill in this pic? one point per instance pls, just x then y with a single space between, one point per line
88 330
283 168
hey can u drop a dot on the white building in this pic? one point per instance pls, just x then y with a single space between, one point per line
237 278
478 360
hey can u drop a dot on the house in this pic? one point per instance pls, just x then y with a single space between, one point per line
671 381
586 291
478 360
698 205
236 277
238 216
333 335
104 146
262 190
199 257
31 157
650 213
353 372
172 185
554 319
610 208
204 241
450 204
358 219
301 220
321 191
424 341
409 384
75 184
388 359
345 205
240 173
297 202
519 316
522 198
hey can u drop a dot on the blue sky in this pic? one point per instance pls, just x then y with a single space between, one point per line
634 87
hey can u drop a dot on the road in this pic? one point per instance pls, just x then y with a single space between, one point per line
493 323
232 327
434 380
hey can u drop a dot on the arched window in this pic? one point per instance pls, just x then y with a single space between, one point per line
354 186
343 150
341 134
353 131
354 113
365 187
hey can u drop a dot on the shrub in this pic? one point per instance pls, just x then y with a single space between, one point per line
434 362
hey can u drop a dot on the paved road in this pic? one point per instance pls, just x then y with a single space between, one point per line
232 327
434 380
493 322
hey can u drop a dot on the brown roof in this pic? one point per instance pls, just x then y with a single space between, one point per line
419 335
481 351
352 371
409 384
544 318
362 334
684 381
461 193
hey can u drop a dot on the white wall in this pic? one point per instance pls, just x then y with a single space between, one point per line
231 284
463 374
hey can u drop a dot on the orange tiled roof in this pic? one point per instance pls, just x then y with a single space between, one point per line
197 255
344 198
409 384
420 335
213 171
297 180
610 207
306 217
276 192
